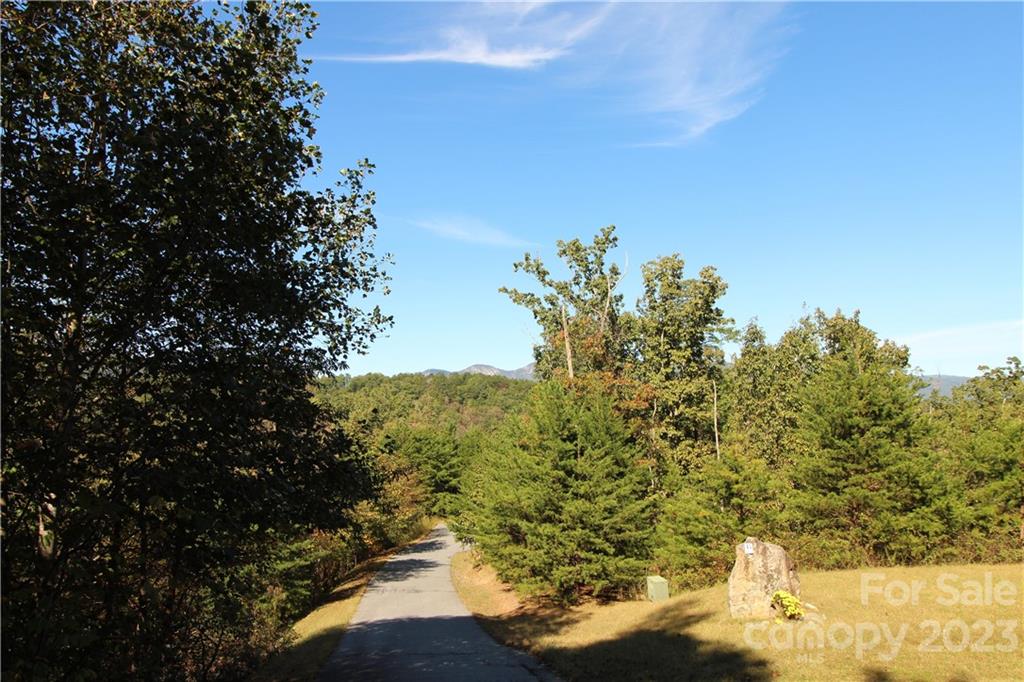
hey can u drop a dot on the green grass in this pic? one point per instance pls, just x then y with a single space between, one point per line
692 636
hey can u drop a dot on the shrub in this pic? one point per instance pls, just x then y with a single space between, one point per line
788 605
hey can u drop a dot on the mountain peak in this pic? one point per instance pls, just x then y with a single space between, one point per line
525 372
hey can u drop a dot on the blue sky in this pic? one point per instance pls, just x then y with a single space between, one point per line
857 156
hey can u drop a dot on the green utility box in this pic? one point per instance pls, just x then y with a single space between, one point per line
657 588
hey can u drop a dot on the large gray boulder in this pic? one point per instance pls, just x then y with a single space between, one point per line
760 570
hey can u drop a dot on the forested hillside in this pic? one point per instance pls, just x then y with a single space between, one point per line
421 430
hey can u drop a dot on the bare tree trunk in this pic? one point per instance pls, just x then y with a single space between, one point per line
568 346
714 393
607 306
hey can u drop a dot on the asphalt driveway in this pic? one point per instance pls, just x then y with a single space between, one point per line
411 625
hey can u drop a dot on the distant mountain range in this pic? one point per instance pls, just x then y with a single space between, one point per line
525 372
943 383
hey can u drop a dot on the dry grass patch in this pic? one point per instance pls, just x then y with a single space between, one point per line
692 637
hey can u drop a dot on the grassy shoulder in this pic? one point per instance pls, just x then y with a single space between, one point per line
317 634
954 629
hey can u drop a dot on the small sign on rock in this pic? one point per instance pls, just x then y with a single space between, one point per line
760 570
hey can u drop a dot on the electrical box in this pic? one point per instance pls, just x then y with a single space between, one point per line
657 588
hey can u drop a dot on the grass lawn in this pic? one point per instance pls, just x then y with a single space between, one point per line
319 632
947 626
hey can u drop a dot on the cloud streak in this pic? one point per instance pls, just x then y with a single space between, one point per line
688 67
464 49
470 231
504 36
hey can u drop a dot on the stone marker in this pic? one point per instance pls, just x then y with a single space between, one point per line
760 570
657 588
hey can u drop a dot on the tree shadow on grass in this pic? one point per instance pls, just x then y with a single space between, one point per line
658 648
301 660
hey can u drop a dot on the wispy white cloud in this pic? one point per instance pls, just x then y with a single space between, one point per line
959 350
463 49
691 66
697 65
470 230
499 35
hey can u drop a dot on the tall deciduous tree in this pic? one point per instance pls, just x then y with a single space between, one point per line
763 389
169 292
580 317
680 331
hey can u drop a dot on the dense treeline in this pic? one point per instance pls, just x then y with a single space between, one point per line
642 449
422 431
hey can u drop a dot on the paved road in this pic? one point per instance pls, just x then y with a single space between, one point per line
411 625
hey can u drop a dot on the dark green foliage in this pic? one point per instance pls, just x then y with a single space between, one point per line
558 502
824 443
872 473
169 292
305 570
695 532
710 508
866 486
468 401
420 428
436 455
664 361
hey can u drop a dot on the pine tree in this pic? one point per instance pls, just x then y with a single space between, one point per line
708 509
865 488
557 503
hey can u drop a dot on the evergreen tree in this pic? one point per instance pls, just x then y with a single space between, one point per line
708 509
557 503
866 490
435 454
